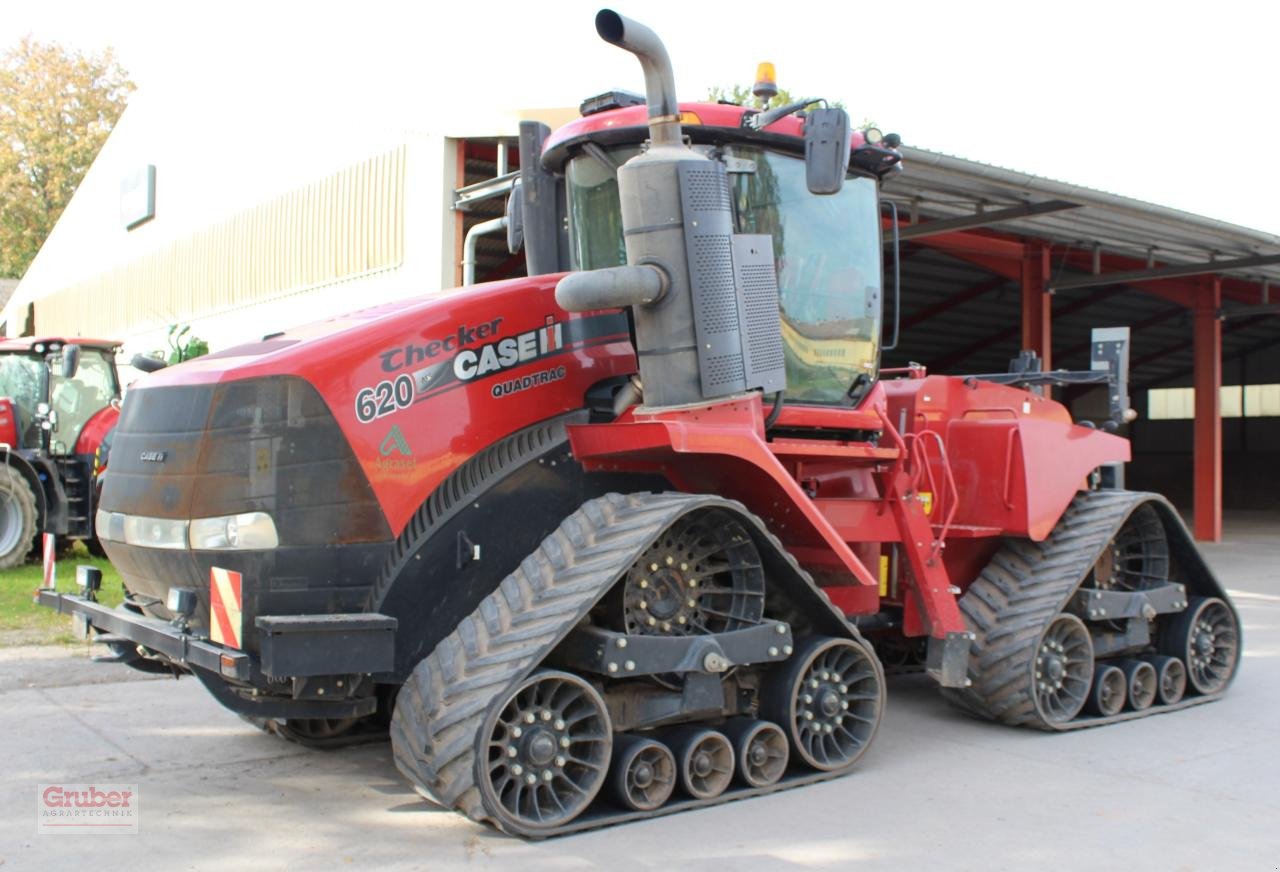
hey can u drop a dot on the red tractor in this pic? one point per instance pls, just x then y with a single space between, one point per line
59 401
638 538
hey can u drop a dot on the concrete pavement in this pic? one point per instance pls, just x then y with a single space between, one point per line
1195 790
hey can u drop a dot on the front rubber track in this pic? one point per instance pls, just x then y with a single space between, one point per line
441 709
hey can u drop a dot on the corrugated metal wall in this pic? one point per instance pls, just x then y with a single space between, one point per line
346 225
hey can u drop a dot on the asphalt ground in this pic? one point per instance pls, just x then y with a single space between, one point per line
1192 790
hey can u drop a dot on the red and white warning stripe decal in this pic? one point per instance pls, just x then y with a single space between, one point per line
224 607
50 568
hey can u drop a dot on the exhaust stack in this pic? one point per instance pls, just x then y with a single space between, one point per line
659 79
683 281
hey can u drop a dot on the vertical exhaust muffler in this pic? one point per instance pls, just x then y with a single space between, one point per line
683 280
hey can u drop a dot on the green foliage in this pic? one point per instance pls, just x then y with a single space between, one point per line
183 347
56 109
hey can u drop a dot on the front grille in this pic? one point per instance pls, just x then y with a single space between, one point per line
258 445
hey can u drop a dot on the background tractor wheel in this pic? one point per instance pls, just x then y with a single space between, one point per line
17 518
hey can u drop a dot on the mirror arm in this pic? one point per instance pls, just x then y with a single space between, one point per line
762 120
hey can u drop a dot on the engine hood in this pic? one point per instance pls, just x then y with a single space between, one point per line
320 350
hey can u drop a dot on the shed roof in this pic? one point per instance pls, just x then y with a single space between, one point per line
937 193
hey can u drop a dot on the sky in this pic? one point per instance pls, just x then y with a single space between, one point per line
1171 102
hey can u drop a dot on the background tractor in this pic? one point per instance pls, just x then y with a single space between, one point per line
639 532
59 401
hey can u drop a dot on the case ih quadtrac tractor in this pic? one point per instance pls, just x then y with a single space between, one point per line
627 541
58 405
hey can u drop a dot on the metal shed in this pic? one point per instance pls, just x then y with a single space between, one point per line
996 261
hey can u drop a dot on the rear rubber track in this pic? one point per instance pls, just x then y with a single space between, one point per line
1019 592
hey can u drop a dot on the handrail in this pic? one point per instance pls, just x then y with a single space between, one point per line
1014 432
952 494
1013 413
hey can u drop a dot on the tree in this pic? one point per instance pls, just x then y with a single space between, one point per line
742 96
56 109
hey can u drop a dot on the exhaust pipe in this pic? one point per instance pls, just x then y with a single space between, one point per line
675 201
659 79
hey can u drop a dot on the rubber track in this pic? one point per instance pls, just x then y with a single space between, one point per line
1025 585
441 709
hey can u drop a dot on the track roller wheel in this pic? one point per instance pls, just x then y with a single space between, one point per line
760 748
705 760
1109 691
1063 669
1171 678
828 698
643 774
546 752
1137 558
703 575
1143 683
1205 637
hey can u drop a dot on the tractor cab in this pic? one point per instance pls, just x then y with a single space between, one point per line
827 248
49 384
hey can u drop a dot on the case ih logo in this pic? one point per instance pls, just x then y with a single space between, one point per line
105 809
509 352
152 457
467 364
411 354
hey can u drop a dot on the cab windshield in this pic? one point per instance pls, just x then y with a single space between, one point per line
21 380
826 252
78 399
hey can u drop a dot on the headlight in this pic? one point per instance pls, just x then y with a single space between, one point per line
247 531
155 532
109 525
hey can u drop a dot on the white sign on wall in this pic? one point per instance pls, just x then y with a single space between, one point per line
138 197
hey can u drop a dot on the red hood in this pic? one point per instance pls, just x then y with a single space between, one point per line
323 350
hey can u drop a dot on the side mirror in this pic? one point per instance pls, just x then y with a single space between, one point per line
146 363
826 150
70 360
539 210
515 219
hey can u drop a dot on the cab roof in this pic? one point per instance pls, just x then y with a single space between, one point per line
41 344
702 122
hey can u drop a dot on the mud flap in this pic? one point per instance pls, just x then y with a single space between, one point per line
948 659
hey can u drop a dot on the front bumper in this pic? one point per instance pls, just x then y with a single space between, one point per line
310 665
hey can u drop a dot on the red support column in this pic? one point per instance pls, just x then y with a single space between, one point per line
1037 328
1207 379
